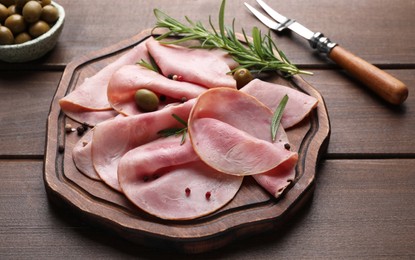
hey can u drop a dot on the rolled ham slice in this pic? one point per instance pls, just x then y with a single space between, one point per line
197 66
298 106
168 180
130 78
230 131
91 95
114 138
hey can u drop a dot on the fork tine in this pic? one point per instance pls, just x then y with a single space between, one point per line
284 21
274 14
265 20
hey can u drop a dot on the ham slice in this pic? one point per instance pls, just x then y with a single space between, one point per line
277 180
89 117
82 157
91 95
130 78
168 180
197 66
298 106
230 132
114 138
223 55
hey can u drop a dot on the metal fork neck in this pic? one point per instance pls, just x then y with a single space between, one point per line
285 24
321 43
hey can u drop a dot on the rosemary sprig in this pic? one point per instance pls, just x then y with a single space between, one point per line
259 55
175 130
152 65
276 118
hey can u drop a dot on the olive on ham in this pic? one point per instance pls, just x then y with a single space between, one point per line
125 82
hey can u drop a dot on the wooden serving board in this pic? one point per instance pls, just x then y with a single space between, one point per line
252 211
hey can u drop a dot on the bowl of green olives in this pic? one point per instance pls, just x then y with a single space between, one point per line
29 29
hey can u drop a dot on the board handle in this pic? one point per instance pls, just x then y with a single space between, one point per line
385 85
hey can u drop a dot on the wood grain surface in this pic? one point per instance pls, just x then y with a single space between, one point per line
363 203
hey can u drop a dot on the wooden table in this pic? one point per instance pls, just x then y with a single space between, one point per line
364 201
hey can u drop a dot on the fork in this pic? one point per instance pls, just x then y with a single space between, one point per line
385 85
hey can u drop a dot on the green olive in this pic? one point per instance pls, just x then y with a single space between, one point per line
12 10
146 100
22 37
31 11
50 14
38 28
6 36
15 23
242 77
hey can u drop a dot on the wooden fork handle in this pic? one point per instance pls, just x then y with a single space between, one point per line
385 85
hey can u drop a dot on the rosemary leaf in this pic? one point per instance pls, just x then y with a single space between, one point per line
179 119
276 118
169 132
183 137
152 65
175 130
222 20
259 54
146 64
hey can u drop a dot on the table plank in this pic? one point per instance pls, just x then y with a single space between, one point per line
370 29
362 124
24 106
361 208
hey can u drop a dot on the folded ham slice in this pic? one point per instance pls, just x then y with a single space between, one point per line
168 180
130 78
91 96
298 106
198 66
277 180
230 131
113 138
82 157
87 116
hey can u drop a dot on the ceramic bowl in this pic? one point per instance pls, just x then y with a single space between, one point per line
37 47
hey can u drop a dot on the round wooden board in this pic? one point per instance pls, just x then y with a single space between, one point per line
252 211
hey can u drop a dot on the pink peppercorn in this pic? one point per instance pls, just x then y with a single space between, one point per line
187 190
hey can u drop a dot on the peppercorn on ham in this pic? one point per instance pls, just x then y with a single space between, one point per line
130 78
197 66
298 106
167 179
114 138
